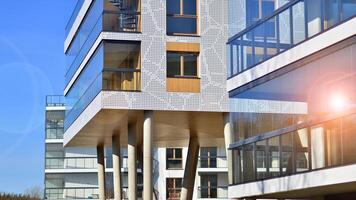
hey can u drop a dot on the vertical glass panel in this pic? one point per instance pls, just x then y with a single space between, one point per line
301 145
331 13
247 51
261 159
173 7
333 142
287 153
190 7
348 139
209 185
237 173
274 160
190 65
314 17
122 55
348 8
248 171
284 27
298 22
267 7
252 12
173 64
271 37
259 43
317 146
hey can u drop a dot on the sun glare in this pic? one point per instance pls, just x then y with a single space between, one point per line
338 102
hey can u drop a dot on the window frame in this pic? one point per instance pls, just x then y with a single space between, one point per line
174 158
184 16
182 66
174 180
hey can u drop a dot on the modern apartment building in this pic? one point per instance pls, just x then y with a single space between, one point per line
146 75
71 172
292 75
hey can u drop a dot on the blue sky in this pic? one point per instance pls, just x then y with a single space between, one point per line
32 66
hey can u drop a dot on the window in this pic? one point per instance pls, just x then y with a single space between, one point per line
208 157
209 186
174 158
173 188
258 9
182 64
181 17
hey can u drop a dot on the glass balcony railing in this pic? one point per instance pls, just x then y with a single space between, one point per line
313 144
54 100
212 192
73 16
85 193
72 193
212 162
287 27
79 163
54 133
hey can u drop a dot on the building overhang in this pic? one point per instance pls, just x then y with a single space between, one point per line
110 112
318 182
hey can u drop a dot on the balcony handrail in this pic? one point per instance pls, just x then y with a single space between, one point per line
213 187
77 157
55 99
263 20
305 124
212 157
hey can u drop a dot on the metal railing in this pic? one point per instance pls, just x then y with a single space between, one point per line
215 192
212 162
55 100
296 149
287 27
79 162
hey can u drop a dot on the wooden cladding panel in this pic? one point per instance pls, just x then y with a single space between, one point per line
191 85
183 46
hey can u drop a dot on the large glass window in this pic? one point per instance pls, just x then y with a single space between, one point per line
173 188
174 158
208 186
54 124
208 157
258 9
182 64
181 17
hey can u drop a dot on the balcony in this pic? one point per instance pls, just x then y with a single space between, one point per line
104 15
79 163
287 27
54 100
212 192
316 144
82 193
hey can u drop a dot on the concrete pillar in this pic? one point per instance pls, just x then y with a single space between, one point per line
190 169
116 159
228 135
131 162
101 171
147 155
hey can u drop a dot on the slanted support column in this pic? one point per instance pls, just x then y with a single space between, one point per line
228 135
147 155
131 162
190 169
101 171
116 159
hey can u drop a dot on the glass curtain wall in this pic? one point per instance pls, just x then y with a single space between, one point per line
314 146
285 28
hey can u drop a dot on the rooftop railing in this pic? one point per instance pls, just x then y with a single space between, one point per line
315 144
287 27
54 100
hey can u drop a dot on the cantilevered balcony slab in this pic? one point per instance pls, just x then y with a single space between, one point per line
111 111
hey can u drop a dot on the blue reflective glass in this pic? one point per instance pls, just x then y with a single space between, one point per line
348 8
190 7
252 11
173 7
181 25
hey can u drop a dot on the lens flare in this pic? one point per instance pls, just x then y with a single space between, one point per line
338 102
